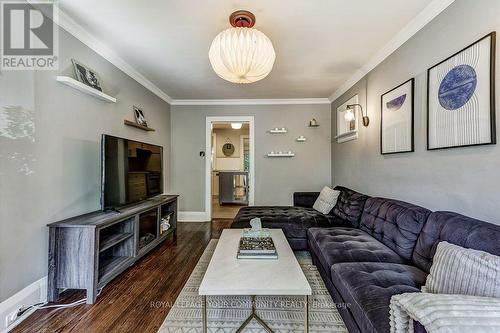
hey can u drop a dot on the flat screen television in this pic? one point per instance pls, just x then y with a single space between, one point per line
131 171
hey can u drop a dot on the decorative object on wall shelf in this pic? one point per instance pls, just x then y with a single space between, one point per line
396 129
86 75
69 81
313 123
139 117
277 130
461 98
281 154
136 125
301 139
347 121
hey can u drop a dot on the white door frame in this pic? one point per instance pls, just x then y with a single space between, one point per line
208 166
242 145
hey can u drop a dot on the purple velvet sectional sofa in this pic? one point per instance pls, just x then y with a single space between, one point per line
368 249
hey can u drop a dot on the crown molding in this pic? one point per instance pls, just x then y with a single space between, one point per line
432 10
72 27
283 101
68 24
422 19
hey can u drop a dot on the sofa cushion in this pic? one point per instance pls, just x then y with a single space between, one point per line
326 200
394 223
293 220
337 245
349 205
368 288
455 229
457 270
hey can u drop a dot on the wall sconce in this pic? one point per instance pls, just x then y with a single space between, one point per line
349 116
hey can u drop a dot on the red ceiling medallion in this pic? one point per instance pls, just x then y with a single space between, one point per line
242 19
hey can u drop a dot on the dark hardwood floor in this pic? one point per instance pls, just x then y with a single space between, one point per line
126 304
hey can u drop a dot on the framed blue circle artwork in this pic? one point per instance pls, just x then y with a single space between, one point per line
461 97
457 87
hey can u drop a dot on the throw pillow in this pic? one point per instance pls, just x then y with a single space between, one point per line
457 270
326 200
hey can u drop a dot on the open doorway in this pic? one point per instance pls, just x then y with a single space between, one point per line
229 165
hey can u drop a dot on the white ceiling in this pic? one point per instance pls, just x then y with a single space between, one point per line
319 44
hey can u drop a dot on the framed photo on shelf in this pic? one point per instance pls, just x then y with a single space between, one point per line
86 75
139 117
461 98
396 128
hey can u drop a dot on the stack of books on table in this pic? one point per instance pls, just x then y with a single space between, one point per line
256 245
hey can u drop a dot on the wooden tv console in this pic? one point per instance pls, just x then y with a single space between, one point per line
88 251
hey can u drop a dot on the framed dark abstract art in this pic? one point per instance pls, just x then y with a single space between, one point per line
461 98
396 128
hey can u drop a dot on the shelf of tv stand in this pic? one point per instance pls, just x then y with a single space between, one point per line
113 239
109 266
136 125
168 232
167 215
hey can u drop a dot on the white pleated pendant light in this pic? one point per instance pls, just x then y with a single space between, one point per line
242 54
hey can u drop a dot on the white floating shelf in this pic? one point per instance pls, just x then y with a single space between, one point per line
301 139
343 135
278 130
69 81
280 154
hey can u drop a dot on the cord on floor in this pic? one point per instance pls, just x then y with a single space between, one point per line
39 306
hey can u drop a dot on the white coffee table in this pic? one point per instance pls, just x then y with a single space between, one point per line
227 275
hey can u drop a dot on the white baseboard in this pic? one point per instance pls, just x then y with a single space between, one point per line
192 217
32 294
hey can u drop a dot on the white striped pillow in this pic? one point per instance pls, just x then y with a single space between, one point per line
456 270
326 200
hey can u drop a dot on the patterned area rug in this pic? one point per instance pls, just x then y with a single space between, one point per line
284 314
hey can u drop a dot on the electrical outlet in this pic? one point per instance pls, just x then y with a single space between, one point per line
11 318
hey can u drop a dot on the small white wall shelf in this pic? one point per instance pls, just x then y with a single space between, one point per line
346 134
281 154
301 139
277 130
69 81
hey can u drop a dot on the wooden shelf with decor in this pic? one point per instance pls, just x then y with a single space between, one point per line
136 125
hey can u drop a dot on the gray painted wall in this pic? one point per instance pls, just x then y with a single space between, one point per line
50 153
465 180
275 178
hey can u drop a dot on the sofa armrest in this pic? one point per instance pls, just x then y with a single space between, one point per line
304 199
